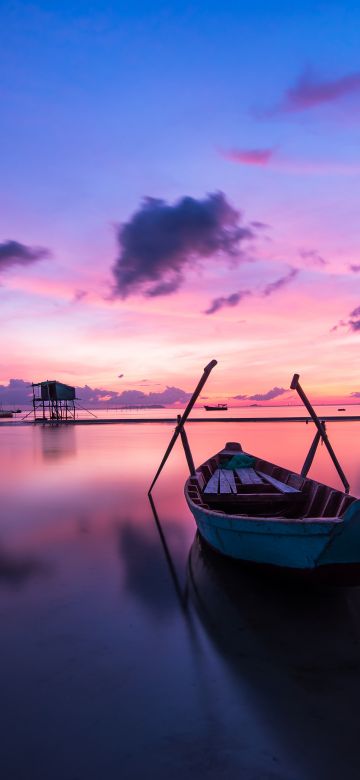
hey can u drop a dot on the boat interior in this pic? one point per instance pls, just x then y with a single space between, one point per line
262 489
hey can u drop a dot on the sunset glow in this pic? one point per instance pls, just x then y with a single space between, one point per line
169 199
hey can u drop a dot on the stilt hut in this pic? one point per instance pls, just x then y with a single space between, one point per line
53 401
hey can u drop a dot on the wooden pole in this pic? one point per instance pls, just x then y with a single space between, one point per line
187 449
296 386
183 419
310 456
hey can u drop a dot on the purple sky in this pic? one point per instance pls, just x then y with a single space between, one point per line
181 182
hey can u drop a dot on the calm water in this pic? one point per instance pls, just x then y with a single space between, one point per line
244 412
113 665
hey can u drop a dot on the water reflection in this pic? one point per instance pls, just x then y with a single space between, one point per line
57 441
142 559
16 570
298 652
102 673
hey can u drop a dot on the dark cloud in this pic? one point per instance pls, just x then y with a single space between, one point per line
355 312
165 288
161 241
120 376
229 300
353 323
312 257
309 92
240 397
354 320
355 268
14 253
279 283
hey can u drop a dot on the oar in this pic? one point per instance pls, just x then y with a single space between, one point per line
321 429
183 419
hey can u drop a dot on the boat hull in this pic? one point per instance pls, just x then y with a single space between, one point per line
328 574
330 545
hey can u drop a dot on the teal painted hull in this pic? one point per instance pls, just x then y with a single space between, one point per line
302 525
301 534
300 544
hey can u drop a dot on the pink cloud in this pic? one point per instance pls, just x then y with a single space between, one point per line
309 92
270 158
249 156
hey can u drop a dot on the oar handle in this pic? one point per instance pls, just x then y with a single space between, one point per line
184 417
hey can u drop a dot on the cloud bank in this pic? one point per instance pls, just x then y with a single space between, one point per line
274 393
161 241
14 253
19 392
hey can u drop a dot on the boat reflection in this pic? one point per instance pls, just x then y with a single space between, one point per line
296 650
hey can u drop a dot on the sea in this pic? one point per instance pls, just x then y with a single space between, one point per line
128 650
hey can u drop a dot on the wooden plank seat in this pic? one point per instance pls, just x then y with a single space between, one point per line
238 481
282 486
250 491
222 481
249 477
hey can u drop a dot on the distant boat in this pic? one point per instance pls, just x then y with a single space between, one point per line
4 414
341 409
254 511
217 408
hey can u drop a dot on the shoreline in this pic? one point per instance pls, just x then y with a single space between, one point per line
173 420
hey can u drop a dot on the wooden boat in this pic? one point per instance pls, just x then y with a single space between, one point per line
265 514
257 512
217 408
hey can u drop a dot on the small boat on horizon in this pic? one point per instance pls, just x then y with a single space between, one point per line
216 408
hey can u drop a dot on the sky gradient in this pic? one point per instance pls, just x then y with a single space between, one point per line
180 182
